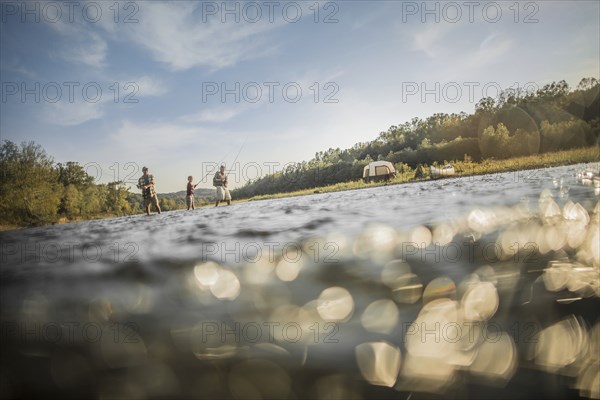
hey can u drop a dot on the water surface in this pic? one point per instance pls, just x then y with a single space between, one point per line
340 294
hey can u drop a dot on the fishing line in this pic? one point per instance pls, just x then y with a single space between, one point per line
236 157
210 172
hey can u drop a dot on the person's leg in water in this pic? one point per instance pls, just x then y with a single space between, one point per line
155 202
227 196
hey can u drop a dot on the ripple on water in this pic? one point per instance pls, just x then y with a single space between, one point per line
339 307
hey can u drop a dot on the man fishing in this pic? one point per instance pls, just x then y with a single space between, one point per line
220 182
146 183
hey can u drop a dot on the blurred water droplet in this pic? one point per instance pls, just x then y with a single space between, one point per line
480 302
380 316
288 269
560 344
443 234
425 374
420 237
227 286
481 220
379 362
439 288
335 304
207 273
496 359
436 331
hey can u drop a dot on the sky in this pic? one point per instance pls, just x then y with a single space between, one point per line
182 86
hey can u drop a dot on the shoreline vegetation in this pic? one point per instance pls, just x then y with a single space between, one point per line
519 130
464 169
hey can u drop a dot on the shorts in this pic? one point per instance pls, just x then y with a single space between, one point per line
151 200
189 200
223 193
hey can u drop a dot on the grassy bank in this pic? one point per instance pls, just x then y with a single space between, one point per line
463 168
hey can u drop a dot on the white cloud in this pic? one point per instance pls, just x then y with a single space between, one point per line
88 49
429 39
211 115
79 111
152 138
460 51
79 44
178 37
491 49
149 86
69 114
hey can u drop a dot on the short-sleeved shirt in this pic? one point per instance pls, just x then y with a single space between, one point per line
220 179
190 189
147 180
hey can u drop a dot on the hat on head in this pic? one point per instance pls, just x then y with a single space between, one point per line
144 169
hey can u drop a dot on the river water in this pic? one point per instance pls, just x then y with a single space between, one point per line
476 287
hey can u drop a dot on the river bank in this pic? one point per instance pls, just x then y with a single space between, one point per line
463 169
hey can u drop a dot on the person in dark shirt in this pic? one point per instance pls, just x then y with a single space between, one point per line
189 198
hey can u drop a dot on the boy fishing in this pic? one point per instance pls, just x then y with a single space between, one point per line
189 198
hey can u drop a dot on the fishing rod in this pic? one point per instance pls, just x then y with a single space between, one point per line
236 157
223 159
210 172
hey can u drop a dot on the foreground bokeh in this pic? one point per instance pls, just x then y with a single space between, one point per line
480 287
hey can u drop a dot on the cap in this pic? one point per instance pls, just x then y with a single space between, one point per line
144 169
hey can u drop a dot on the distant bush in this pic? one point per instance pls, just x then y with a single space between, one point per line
565 135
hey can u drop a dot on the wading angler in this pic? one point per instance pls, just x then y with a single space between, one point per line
146 183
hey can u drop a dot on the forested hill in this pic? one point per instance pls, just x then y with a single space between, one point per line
517 123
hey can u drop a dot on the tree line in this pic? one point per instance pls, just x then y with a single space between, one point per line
517 123
35 190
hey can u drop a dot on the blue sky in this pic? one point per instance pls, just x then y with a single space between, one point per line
367 58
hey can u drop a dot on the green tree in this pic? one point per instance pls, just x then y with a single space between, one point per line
71 173
71 201
93 200
565 134
29 188
167 204
495 142
116 199
524 143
